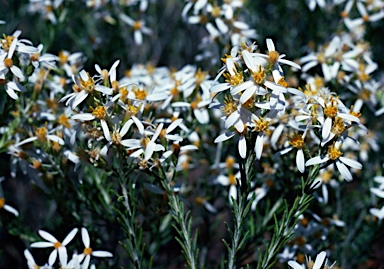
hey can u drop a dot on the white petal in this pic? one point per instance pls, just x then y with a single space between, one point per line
79 97
295 265
224 137
131 143
220 87
287 62
42 245
15 86
25 141
83 116
275 87
56 139
103 89
139 125
326 128
11 92
47 236
344 171
17 72
248 93
85 237
28 256
347 116
86 262
69 237
350 162
259 145
270 45
300 161
248 59
10 209
201 115
308 66
317 160
377 192
125 127
63 256
138 37
52 257
101 253
230 121
242 147
241 87
319 260
105 128
232 193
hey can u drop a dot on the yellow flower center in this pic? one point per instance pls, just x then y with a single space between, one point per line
99 112
229 106
273 56
344 14
321 58
88 85
216 11
261 125
296 141
6 42
259 75
63 120
330 111
87 251
131 110
232 179
140 94
63 57
338 126
124 93
282 82
334 152
2 202
230 161
137 25
199 200
116 137
8 62
36 164
144 141
326 176
200 76
57 245
235 79
41 134
195 103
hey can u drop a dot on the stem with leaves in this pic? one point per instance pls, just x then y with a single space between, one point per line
284 227
183 227
240 211
133 246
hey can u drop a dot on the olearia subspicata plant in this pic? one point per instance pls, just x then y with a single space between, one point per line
159 134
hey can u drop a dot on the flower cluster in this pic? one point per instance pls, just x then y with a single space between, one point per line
78 261
159 158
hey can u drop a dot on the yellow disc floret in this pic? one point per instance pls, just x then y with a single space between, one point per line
259 75
334 152
99 112
229 106
297 141
261 125
235 79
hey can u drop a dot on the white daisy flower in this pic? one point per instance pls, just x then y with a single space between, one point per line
59 247
335 155
88 251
